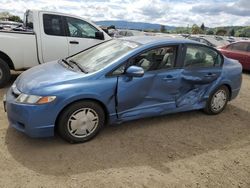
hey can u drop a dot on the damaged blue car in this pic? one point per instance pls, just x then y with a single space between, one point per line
121 80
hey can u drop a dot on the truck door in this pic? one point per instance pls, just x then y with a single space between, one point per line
81 35
53 38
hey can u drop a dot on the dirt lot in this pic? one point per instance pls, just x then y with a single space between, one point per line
182 150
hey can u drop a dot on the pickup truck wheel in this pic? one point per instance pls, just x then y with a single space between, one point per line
217 101
4 73
81 121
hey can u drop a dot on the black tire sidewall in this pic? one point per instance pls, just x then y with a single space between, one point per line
65 115
208 108
5 73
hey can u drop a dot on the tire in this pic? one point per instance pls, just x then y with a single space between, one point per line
81 121
4 73
214 107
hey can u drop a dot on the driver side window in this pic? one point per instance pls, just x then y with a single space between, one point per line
79 28
156 59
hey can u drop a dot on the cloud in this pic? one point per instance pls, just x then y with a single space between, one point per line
168 12
239 8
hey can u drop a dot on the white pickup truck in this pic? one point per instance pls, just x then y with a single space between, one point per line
45 36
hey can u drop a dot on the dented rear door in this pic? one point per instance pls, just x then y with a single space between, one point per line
202 66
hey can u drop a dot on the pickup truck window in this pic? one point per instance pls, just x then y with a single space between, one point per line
53 25
80 28
28 19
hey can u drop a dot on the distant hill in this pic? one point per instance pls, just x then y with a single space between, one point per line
132 25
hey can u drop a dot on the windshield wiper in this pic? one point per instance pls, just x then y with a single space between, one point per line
67 63
78 65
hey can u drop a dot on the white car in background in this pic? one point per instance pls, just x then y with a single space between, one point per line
210 40
8 25
45 36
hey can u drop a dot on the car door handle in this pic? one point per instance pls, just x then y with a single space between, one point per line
210 75
169 77
73 42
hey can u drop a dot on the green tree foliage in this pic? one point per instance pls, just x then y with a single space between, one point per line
4 15
202 27
162 29
111 27
244 32
221 32
238 31
182 30
232 32
210 32
15 19
9 17
196 29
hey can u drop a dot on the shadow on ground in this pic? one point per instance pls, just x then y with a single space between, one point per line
147 142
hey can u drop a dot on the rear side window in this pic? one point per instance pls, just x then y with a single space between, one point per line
28 19
201 56
240 46
248 48
53 25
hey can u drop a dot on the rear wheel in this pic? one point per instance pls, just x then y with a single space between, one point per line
217 101
4 73
81 121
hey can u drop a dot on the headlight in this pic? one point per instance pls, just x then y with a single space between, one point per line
34 99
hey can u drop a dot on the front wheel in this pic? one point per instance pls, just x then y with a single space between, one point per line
81 121
217 101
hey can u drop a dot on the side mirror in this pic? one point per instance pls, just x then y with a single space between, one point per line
134 71
99 35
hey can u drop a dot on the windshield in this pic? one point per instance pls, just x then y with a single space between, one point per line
100 56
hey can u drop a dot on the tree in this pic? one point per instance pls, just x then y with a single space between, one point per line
221 32
244 32
196 29
202 27
111 27
162 29
15 18
232 32
6 16
210 32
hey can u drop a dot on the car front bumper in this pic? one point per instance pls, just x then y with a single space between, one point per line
33 120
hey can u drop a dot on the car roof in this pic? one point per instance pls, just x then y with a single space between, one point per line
158 39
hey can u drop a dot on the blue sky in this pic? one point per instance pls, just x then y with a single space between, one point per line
169 12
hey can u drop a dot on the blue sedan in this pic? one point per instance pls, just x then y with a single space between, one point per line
121 80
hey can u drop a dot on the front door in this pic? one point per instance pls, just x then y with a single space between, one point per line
155 92
81 35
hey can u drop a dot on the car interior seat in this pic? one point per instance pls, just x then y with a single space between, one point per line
167 60
147 62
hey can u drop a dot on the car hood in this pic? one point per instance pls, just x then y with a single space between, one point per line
45 75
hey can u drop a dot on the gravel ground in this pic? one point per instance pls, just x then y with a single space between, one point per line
188 149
